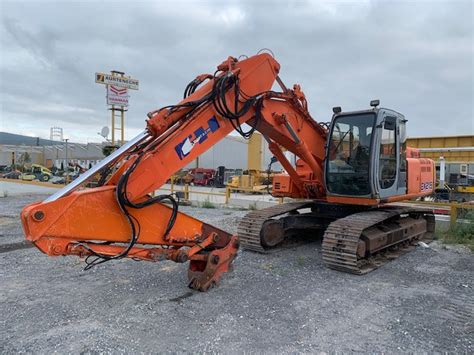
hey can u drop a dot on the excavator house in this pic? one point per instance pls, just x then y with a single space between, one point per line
346 176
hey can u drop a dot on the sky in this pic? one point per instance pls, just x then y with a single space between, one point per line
416 57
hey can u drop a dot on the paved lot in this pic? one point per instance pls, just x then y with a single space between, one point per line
283 302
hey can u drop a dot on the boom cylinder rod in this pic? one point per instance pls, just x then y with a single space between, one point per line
96 168
282 85
292 132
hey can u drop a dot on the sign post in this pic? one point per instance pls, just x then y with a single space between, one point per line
117 85
113 124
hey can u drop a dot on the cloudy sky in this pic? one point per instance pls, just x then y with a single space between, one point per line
416 57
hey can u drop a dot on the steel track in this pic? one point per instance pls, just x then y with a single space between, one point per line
251 224
342 237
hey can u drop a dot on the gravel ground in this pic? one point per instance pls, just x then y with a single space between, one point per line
283 302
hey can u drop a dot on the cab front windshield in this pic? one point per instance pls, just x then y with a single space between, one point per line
349 155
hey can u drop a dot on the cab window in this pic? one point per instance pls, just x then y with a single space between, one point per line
388 154
349 155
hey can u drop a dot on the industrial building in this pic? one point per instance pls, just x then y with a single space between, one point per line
232 152
452 154
13 149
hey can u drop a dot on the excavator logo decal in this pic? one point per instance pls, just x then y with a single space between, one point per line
426 186
200 135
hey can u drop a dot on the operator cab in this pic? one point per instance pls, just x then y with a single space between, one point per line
366 154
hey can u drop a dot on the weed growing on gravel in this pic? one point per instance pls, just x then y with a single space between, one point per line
275 269
207 204
268 266
461 233
300 260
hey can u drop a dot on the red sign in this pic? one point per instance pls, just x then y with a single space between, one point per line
117 95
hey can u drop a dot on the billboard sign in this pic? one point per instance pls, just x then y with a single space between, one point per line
117 95
110 79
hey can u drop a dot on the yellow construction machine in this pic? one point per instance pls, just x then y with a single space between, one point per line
37 172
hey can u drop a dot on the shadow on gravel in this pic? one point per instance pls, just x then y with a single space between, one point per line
5 248
182 297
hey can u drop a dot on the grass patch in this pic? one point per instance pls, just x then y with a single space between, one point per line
274 269
268 267
300 260
461 233
207 204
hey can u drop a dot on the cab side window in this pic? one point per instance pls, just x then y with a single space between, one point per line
403 146
388 155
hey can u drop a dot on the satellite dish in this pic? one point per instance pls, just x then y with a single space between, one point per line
104 132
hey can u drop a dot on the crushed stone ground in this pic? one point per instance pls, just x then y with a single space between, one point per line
283 302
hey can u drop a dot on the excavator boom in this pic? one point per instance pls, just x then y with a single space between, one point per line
121 218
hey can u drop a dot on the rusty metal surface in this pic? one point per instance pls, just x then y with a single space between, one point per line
206 268
342 239
252 223
272 233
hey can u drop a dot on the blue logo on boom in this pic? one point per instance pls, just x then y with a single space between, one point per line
200 135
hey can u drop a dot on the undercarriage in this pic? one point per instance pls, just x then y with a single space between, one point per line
355 239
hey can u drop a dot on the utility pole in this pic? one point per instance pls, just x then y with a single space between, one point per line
113 124
66 179
122 122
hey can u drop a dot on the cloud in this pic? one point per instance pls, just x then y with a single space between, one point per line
416 57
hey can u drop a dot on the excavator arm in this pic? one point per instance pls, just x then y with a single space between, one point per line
122 218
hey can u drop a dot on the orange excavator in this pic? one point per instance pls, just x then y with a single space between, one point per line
346 174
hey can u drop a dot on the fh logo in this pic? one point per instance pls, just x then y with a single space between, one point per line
200 135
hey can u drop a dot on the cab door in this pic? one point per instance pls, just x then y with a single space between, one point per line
388 156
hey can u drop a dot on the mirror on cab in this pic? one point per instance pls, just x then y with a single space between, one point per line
390 123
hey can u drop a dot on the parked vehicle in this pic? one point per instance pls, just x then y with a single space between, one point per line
181 177
203 177
15 174
37 172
